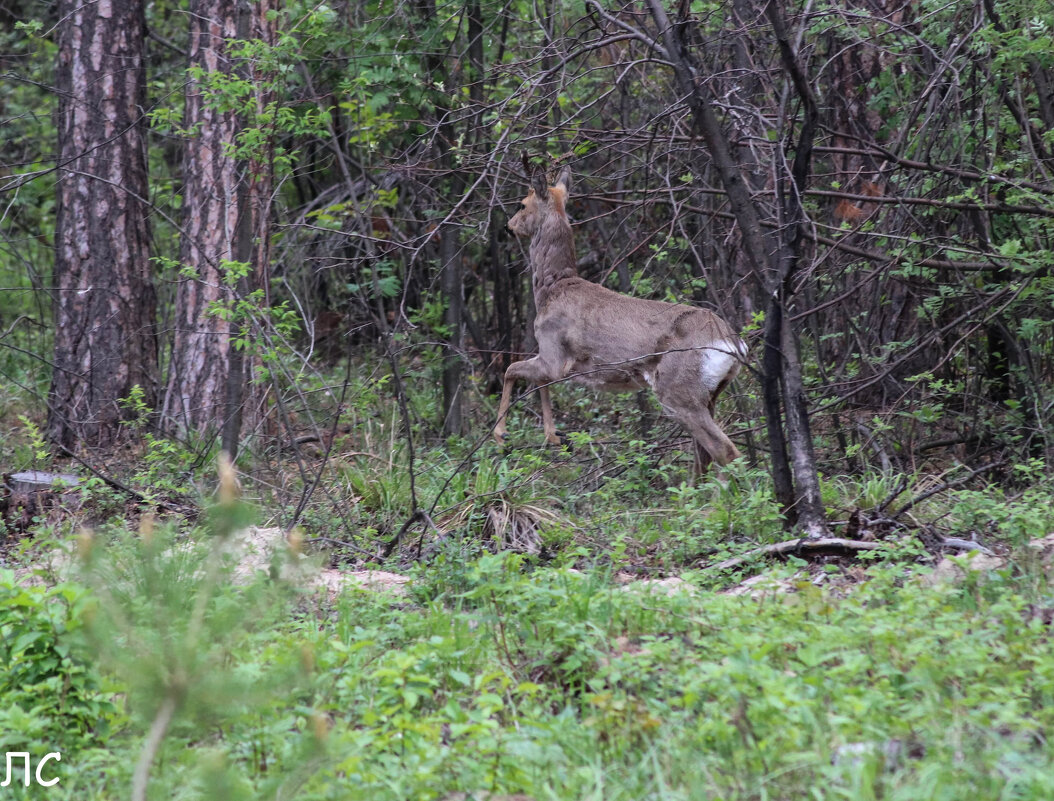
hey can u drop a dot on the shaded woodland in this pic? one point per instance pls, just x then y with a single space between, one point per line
269 240
254 225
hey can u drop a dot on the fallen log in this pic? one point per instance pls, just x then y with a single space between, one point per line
835 545
801 546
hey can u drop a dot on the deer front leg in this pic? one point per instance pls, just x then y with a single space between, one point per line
506 398
534 371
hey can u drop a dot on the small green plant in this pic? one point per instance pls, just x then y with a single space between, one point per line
137 406
40 454
170 616
706 518
166 464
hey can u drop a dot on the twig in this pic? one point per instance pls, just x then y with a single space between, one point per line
946 486
339 544
141 776
419 516
901 486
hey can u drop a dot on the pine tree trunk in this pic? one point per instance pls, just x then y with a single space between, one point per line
195 400
226 216
104 302
257 398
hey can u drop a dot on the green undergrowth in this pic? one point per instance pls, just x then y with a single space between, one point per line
507 677
542 675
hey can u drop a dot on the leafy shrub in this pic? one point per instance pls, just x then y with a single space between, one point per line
987 513
52 694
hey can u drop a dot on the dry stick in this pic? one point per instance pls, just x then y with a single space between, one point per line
835 545
158 728
996 262
11 327
959 544
946 486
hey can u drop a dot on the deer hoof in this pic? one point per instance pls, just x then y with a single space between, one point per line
557 439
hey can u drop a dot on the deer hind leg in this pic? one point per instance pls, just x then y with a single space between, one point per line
703 458
548 426
690 402
534 371
708 435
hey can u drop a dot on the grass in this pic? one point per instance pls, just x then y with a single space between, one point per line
562 684
533 676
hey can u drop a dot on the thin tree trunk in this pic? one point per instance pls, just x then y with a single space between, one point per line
502 296
453 318
812 518
245 402
451 280
771 392
775 272
263 27
809 509
104 302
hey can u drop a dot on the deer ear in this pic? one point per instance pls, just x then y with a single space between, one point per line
564 179
535 176
540 183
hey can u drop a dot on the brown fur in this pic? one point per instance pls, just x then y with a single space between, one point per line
614 342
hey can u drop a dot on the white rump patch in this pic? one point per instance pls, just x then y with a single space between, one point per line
720 360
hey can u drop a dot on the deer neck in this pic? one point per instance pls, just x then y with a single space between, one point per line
552 254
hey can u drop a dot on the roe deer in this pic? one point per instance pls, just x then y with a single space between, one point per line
614 342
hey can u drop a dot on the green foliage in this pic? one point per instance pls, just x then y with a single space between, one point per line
53 696
500 674
556 684
705 519
181 631
37 444
990 514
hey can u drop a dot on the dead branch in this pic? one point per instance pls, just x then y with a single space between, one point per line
959 544
946 486
801 547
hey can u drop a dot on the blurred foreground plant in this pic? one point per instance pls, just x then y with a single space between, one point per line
170 621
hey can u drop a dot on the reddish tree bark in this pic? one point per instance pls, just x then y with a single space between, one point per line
104 302
226 216
248 402
195 399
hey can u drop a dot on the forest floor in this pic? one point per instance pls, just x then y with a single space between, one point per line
528 624
891 674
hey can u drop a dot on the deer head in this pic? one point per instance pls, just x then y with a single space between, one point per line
543 202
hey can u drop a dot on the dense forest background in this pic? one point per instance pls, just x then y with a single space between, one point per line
209 208
277 231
